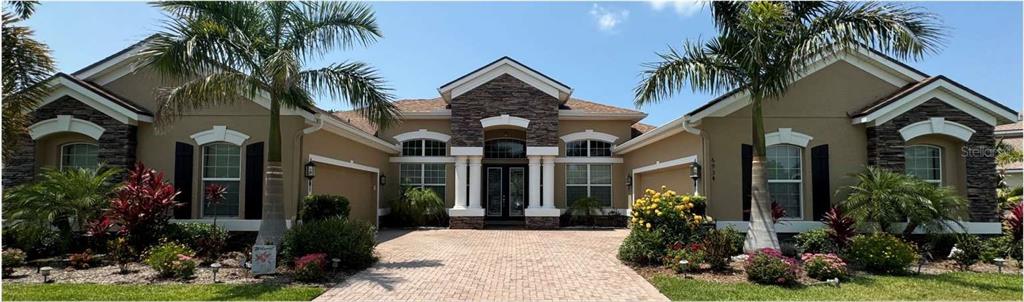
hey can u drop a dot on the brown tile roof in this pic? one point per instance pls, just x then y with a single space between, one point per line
421 105
356 120
1010 127
639 129
591 107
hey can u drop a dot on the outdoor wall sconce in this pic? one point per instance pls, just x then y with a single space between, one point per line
383 180
695 170
629 181
310 170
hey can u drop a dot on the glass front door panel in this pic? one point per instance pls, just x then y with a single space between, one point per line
494 191
516 187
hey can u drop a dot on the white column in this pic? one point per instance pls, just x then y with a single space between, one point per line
474 182
549 182
534 182
460 182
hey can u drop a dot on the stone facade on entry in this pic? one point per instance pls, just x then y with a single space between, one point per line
504 95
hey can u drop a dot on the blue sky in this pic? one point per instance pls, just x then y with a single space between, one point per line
596 48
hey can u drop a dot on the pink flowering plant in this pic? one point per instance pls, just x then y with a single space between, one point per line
310 267
769 266
172 260
824 266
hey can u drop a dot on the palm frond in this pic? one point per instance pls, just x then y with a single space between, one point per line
703 68
359 85
22 9
26 65
220 88
318 27
903 32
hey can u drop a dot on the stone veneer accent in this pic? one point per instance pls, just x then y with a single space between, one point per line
466 222
117 144
542 223
504 95
885 149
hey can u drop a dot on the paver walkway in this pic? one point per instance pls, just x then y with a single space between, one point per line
497 265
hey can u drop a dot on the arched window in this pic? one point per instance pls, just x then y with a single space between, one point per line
924 162
424 147
588 148
222 166
505 148
79 155
785 178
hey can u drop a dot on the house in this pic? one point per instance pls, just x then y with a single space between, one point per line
1012 135
506 143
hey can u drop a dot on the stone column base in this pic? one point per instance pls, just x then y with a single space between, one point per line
466 222
542 223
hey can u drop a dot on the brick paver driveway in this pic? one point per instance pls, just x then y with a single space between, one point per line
497 265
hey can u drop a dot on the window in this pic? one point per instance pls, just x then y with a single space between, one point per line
430 176
588 148
424 147
785 180
79 156
924 162
505 148
222 166
589 180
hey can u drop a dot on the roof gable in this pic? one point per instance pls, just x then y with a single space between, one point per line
505 65
94 96
943 89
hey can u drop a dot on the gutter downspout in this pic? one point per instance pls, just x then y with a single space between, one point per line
702 159
300 137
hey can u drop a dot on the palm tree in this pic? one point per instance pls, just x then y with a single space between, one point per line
223 52
881 198
26 63
762 47
62 199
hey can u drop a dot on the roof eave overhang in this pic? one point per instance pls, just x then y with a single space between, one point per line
676 126
576 115
60 85
505 65
949 92
332 125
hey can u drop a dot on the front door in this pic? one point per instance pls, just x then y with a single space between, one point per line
505 191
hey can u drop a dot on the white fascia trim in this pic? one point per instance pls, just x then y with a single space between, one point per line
577 115
800 226
110 70
231 224
467 151
422 134
666 130
862 58
422 159
432 115
947 93
937 125
658 165
348 131
65 123
61 87
219 134
496 69
505 120
591 135
344 164
541 151
787 136
588 160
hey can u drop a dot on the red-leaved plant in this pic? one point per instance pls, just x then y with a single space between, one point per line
1013 221
310 267
214 195
143 203
777 212
840 227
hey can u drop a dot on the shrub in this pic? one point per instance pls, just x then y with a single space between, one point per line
769 266
82 260
881 253
206 240
321 207
1000 247
883 197
719 246
121 253
1013 221
938 245
310 267
583 210
142 206
693 253
967 251
172 259
815 241
642 246
840 227
12 258
352 241
824 266
669 214
419 206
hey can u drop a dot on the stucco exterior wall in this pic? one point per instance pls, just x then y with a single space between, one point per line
679 145
954 166
362 193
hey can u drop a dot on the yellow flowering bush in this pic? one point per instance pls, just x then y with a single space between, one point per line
668 210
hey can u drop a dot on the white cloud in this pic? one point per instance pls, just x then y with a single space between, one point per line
607 19
683 8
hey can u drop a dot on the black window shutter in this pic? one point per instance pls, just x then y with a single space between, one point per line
746 158
183 176
254 181
819 178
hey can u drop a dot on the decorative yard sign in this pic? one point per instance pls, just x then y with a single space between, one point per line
264 259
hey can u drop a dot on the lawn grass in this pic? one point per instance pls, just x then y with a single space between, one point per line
161 292
949 286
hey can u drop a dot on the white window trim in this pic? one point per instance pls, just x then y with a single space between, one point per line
61 159
423 147
65 123
800 181
505 120
422 134
611 149
590 134
589 185
787 136
219 134
932 181
937 125
203 179
502 66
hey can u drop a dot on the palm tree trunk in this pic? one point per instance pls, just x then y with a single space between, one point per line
272 225
761 231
